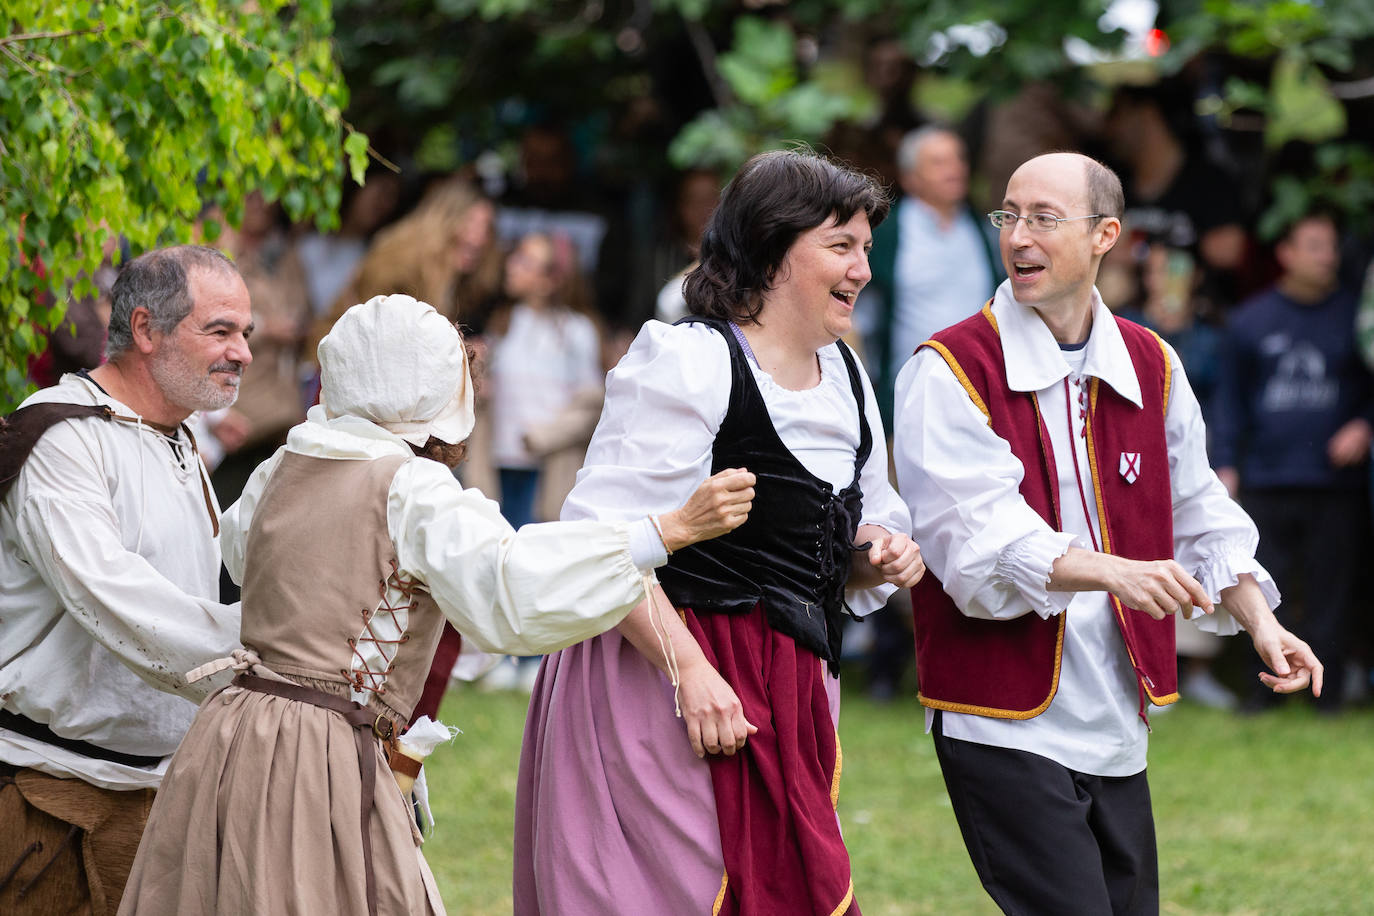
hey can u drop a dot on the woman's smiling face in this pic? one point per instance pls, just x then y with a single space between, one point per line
822 275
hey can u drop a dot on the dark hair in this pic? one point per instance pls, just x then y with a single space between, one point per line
159 282
1314 214
772 199
449 454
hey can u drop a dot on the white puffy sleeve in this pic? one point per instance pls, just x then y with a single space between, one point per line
238 518
992 552
882 505
665 402
523 592
1214 539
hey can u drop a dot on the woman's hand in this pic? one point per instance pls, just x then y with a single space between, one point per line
719 505
893 558
712 711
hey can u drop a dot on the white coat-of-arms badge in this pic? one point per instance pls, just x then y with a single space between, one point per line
1130 466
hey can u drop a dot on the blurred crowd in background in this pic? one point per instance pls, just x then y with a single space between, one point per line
551 264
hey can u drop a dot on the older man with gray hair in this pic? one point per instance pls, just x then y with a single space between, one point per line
109 580
930 260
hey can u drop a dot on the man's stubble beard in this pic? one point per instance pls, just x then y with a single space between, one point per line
188 386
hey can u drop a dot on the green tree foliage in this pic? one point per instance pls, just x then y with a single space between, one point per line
127 116
1311 49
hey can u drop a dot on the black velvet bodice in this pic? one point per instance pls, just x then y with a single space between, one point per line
793 554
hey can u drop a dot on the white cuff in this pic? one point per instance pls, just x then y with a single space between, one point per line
1026 564
864 601
1220 572
647 550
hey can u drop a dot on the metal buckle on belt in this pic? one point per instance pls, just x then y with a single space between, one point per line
390 728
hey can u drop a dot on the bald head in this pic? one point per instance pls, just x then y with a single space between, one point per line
1052 265
1085 179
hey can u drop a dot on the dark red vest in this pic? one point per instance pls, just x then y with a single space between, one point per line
1010 668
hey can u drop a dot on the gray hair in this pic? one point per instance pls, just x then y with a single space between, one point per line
159 282
909 152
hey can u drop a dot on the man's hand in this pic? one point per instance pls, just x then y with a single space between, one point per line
712 711
1350 444
1292 661
1230 479
721 504
1294 664
896 558
1157 587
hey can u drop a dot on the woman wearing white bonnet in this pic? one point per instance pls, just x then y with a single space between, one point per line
352 547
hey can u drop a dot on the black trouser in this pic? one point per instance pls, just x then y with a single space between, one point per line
1310 543
1045 839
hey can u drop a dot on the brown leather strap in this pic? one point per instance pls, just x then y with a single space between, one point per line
365 724
406 766
204 479
21 430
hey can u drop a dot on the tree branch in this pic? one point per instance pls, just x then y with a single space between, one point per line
1353 89
38 36
706 53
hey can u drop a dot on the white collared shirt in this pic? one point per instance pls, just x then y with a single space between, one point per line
109 580
994 554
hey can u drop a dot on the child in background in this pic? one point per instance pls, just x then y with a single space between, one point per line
544 356
545 386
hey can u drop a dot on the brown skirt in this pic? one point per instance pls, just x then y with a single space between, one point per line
259 813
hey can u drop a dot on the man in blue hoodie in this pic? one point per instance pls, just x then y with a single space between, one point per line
1292 430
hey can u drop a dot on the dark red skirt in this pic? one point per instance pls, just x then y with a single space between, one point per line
775 800
440 670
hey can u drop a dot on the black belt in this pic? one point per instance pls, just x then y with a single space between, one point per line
30 729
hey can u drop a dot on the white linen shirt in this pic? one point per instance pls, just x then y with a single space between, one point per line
520 592
665 403
994 554
534 371
109 579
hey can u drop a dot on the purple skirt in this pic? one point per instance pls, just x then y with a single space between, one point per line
613 812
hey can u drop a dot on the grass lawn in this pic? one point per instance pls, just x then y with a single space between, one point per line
1271 814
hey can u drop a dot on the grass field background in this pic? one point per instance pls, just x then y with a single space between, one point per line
1266 814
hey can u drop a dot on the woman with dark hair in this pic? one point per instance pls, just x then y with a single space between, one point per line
618 810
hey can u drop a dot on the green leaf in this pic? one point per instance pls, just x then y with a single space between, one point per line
355 146
134 125
1302 107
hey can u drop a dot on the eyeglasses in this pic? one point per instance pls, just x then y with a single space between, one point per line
1040 222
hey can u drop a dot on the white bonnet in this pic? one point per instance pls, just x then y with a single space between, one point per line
397 362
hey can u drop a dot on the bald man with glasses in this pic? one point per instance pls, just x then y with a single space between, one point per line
1053 458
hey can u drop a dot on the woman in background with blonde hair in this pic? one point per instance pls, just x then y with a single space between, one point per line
443 252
